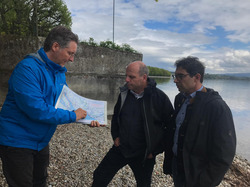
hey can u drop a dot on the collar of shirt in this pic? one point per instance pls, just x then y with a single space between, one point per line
192 95
137 96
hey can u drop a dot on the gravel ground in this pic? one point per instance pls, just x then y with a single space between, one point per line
76 150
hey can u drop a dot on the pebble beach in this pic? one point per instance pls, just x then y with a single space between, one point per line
77 149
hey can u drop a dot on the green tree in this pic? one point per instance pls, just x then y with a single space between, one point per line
154 71
32 17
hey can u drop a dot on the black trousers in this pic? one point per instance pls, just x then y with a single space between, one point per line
24 167
114 160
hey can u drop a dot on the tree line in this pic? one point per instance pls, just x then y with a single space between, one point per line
226 77
111 45
154 71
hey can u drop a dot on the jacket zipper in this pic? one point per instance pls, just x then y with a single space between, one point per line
147 130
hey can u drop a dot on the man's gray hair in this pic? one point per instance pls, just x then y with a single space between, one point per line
61 35
143 70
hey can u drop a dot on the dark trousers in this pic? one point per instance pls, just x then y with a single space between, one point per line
24 167
114 160
178 176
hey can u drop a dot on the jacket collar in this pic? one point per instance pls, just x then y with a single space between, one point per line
192 99
43 59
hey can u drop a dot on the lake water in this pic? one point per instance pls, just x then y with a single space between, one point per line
235 93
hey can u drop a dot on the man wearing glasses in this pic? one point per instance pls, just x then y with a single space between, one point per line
203 137
28 118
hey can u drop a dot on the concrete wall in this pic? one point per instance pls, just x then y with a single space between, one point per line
102 61
12 50
95 68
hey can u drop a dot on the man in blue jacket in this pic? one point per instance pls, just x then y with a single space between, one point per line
203 141
141 116
28 118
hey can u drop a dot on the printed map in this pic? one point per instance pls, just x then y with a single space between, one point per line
96 110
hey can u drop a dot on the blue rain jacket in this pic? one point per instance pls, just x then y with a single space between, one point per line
28 118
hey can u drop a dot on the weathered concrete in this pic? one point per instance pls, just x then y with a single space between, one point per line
101 61
12 50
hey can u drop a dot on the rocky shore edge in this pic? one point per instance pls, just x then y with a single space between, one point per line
77 149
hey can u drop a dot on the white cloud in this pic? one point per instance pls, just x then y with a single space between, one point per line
162 47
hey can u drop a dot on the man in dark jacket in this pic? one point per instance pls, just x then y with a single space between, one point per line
140 118
204 142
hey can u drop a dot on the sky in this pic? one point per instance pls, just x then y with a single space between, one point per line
217 32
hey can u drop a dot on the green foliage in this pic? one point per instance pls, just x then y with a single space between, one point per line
109 44
154 71
128 48
92 42
32 17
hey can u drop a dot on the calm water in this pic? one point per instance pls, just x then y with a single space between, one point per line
235 93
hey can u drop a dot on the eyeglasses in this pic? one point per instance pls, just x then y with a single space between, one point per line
71 54
179 76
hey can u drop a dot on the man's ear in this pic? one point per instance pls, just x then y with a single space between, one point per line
55 46
198 76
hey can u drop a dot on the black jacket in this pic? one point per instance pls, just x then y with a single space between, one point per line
209 143
157 110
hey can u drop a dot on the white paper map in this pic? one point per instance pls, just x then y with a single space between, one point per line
96 110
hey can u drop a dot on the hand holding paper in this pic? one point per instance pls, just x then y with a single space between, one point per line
95 110
80 114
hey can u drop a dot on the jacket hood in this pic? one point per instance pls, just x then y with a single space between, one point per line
205 96
208 96
214 94
44 60
151 82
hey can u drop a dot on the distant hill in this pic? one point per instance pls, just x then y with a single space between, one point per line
238 74
233 76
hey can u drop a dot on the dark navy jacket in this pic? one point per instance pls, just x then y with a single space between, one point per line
208 146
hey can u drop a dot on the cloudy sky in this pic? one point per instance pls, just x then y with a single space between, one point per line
217 32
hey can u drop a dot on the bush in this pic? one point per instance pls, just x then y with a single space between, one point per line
111 45
154 71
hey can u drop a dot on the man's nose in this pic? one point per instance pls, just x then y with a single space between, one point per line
71 58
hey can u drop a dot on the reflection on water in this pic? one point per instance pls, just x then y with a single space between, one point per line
235 93
162 80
